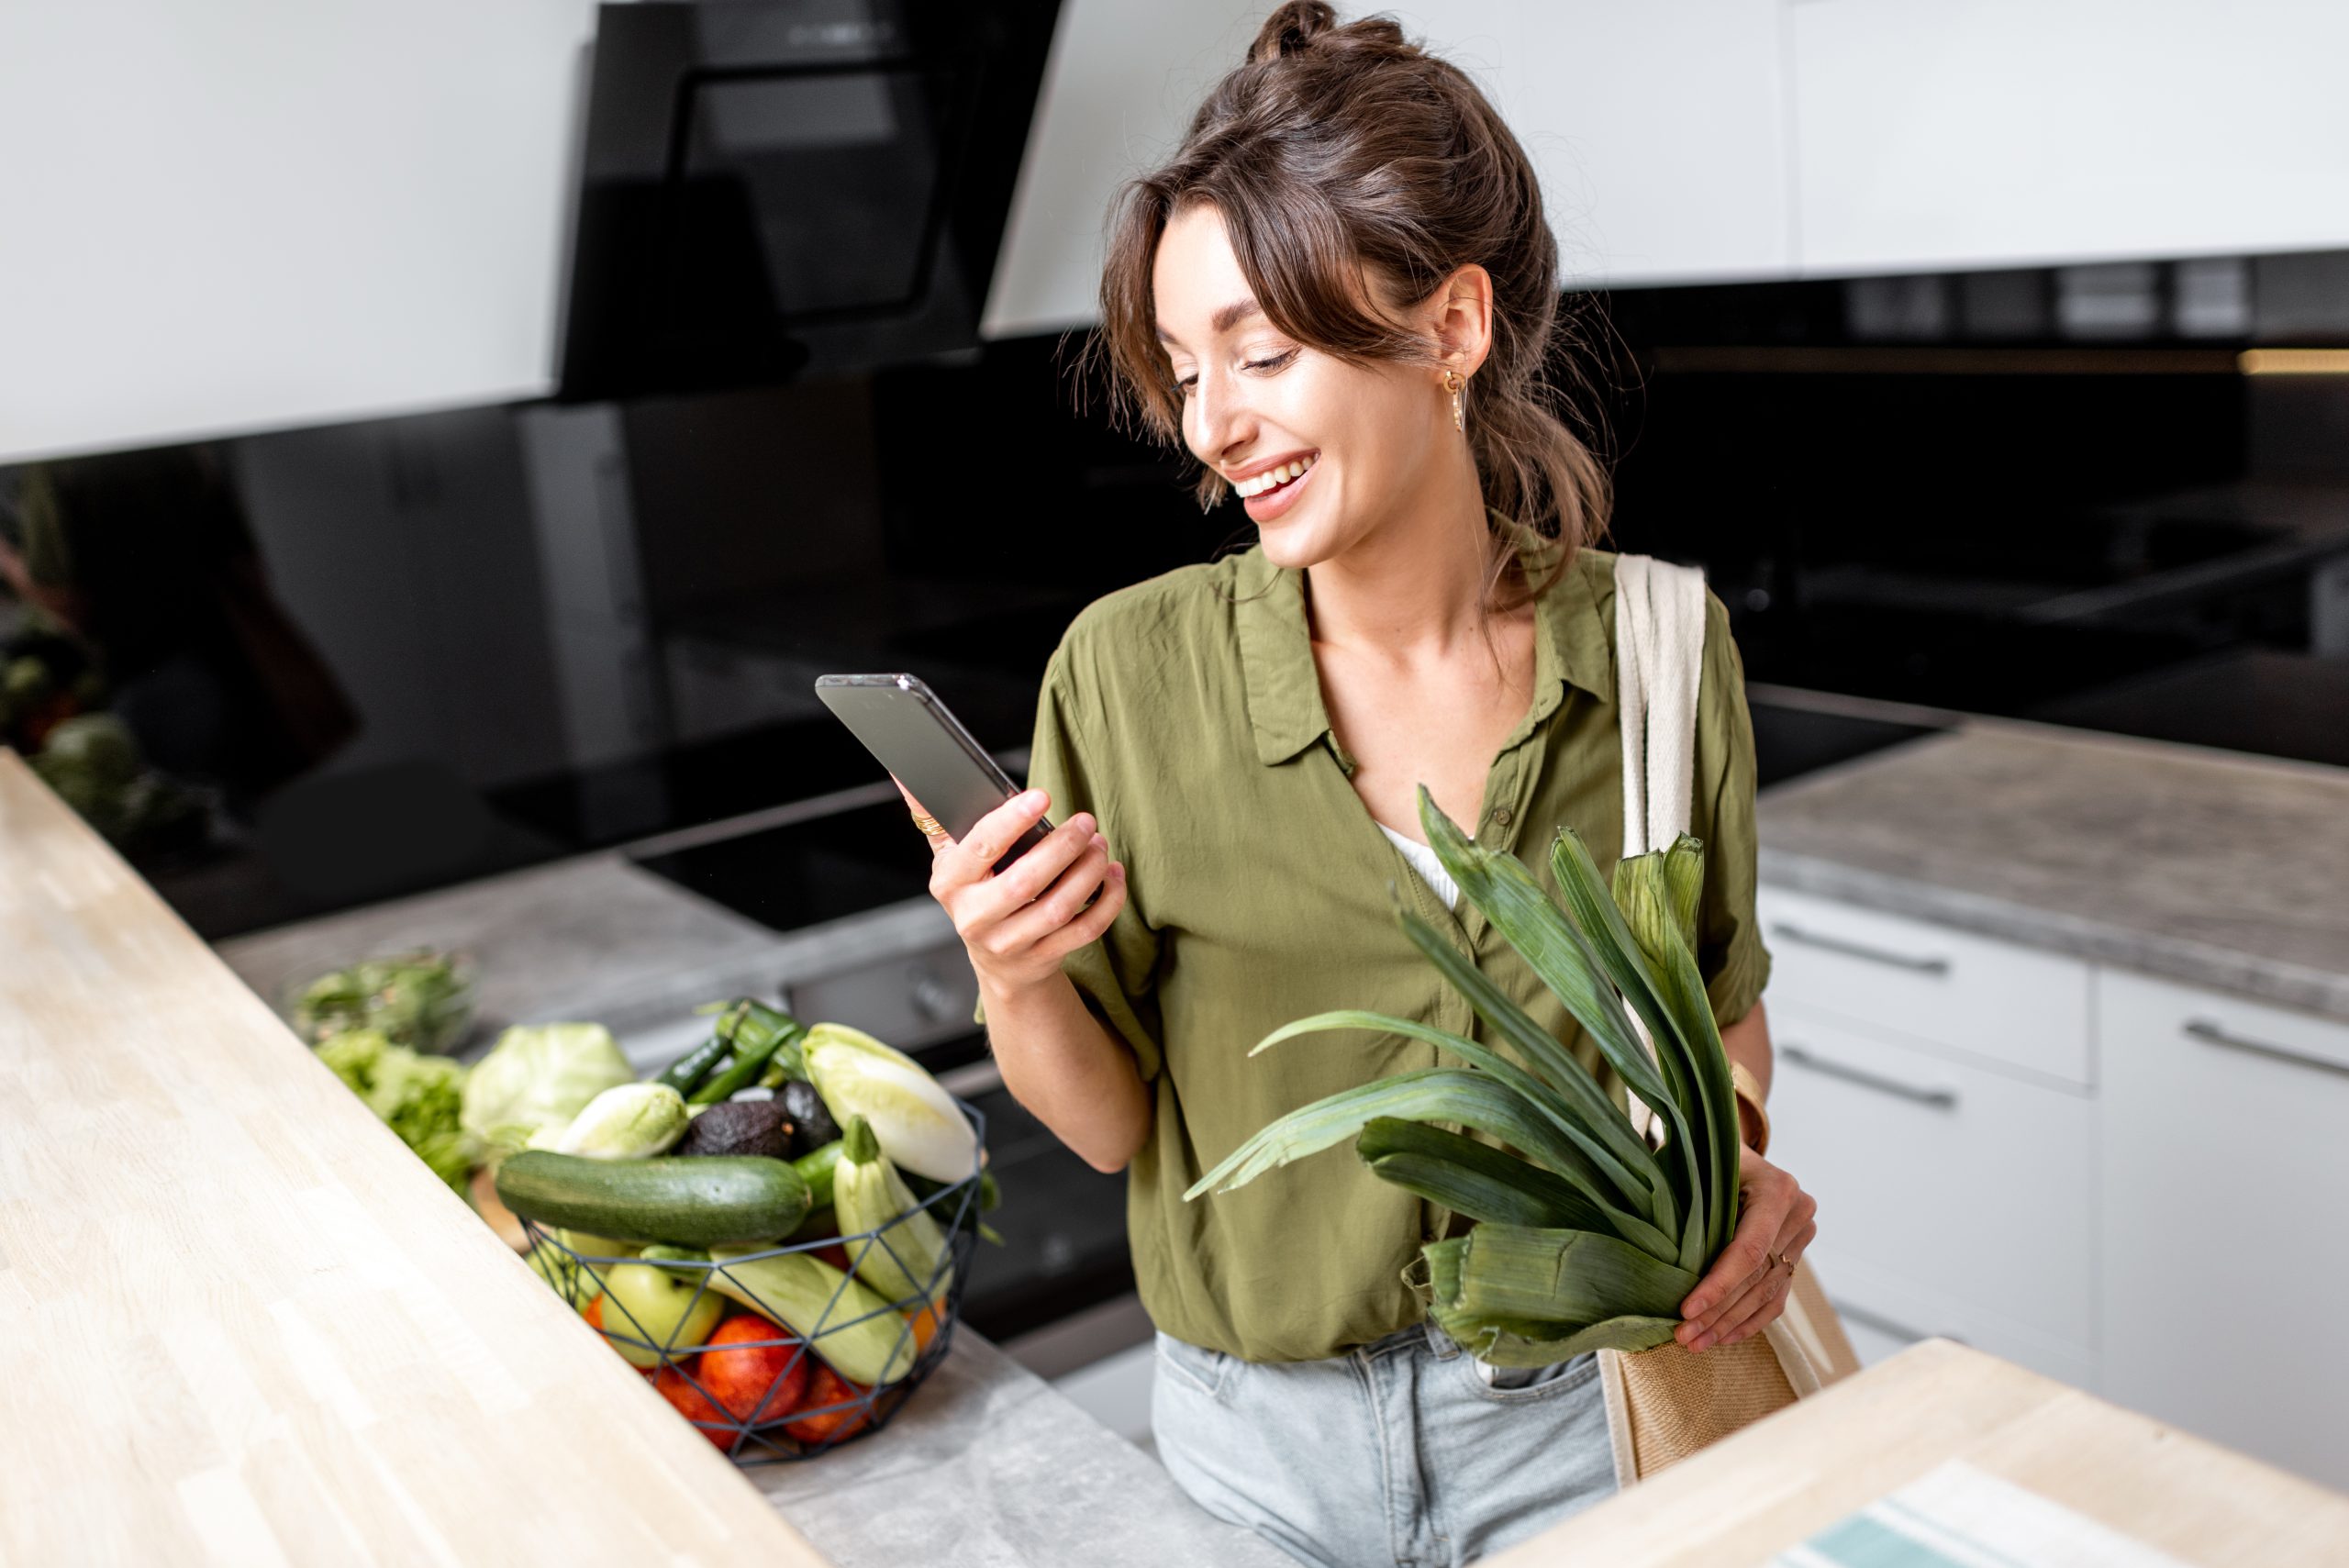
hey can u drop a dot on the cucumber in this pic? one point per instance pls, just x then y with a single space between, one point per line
697 1200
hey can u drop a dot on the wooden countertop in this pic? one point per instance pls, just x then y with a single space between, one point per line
240 1324
1783 1479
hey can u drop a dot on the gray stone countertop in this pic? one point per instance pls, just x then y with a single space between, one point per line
987 1466
596 937
2209 868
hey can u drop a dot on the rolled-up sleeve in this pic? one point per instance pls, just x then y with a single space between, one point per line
1116 975
1730 954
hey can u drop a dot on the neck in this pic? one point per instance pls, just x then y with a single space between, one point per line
1414 586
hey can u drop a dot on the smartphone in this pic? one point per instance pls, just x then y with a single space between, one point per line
913 736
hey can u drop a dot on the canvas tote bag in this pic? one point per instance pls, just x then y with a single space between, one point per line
1664 1405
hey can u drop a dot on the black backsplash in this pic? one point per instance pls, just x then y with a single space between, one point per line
1899 493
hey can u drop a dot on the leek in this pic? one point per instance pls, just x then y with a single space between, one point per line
1582 1238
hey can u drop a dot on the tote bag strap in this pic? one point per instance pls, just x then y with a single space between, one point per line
1659 650
1668 1407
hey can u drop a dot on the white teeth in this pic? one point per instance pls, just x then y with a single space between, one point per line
1272 477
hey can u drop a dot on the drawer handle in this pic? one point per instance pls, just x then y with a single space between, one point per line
1890 1328
1940 1099
1859 949
2210 1034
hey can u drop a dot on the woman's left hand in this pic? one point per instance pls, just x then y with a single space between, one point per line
1744 1291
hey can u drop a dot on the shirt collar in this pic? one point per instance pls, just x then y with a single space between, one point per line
1285 707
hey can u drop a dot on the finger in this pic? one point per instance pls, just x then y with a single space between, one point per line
1057 904
1793 1236
911 804
1087 928
1741 1261
973 858
1007 892
1754 1311
939 841
1713 1325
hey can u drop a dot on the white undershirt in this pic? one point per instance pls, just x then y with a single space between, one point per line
1423 861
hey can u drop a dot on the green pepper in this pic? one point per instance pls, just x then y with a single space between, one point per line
760 1034
686 1073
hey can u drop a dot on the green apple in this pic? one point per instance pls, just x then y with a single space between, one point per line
645 1303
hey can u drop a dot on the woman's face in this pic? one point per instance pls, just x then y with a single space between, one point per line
1376 437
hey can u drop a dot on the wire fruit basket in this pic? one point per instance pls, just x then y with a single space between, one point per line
783 1353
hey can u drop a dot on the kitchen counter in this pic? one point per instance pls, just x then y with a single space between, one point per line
1786 1477
2210 868
257 1330
240 1323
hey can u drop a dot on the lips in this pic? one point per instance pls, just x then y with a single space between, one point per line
1271 503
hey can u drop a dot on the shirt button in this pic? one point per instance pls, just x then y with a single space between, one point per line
1503 817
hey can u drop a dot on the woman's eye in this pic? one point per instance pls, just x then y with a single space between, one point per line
1276 362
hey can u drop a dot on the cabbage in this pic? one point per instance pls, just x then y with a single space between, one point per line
536 1078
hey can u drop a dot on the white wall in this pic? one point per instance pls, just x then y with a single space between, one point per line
249 214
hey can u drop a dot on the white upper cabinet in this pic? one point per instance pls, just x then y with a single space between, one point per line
1658 131
1935 134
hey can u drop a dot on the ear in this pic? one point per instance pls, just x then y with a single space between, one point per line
1462 317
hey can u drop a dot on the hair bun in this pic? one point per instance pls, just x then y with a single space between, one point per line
1290 29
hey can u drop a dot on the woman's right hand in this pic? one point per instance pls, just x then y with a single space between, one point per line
1019 924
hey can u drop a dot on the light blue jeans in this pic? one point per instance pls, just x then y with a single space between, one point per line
1397 1452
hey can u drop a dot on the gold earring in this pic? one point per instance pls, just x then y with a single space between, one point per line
1453 382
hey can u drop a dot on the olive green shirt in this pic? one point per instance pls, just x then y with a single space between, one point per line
1186 714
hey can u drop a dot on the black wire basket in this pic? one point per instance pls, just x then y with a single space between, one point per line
789 1395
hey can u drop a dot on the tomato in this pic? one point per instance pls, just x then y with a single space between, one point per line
673 1385
829 1388
758 1383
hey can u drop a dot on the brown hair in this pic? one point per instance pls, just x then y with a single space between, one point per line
1345 162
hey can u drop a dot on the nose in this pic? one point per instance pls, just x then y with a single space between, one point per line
1219 416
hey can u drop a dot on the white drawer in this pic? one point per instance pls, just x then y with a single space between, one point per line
1971 1184
1988 998
1884 1313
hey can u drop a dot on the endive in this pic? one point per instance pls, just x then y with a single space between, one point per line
1583 1236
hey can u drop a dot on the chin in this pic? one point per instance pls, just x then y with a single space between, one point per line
1300 544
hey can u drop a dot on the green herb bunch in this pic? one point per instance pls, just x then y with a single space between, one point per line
1585 1236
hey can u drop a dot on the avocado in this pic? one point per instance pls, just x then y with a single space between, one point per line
746 1127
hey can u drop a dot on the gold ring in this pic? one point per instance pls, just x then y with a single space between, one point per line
929 826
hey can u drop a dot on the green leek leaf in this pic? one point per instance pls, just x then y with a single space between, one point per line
1432 1094
1471 1178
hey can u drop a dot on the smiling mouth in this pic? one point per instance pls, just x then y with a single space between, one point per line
1275 480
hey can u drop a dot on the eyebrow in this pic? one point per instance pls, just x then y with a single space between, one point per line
1225 318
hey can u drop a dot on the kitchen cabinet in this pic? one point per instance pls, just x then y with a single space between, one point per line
1931 1087
1944 134
1658 132
2225 1178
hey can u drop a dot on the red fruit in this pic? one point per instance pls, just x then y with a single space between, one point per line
673 1385
741 1379
829 1388
836 1255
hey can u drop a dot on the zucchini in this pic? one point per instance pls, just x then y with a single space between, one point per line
700 1201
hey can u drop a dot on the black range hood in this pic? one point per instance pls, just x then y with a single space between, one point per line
778 189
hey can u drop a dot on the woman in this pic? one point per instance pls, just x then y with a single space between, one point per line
1338 296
